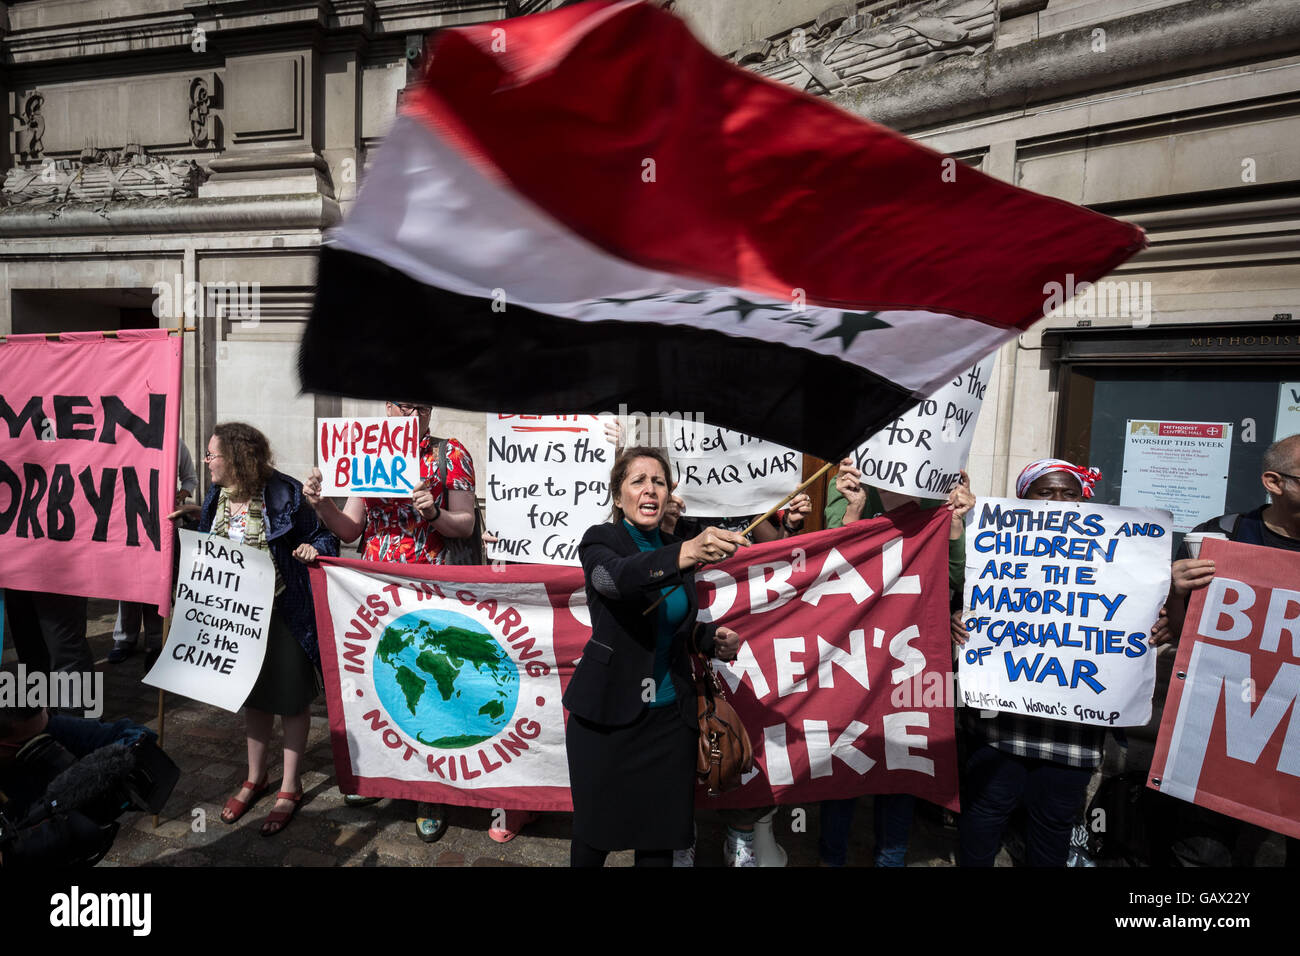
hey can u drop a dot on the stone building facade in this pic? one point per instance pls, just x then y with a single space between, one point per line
172 161
214 142
1180 115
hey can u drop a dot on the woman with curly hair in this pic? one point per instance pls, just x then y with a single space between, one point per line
252 504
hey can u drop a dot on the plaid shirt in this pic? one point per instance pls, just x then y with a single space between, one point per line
1059 741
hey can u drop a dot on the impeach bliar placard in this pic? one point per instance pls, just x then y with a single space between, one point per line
1060 598
378 457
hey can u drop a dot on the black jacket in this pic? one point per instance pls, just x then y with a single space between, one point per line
609 684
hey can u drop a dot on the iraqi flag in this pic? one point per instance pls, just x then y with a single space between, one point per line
586 208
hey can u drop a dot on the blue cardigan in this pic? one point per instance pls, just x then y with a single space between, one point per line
290 521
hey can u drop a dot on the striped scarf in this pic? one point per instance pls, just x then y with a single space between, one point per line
254 527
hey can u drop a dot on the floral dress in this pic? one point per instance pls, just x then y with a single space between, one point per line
395 531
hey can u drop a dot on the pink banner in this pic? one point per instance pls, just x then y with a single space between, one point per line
1230 736
89 431
445 683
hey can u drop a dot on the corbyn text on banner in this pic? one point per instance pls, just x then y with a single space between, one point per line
548 482
88 447
1060 598
220 622
368 456
1230 735
444 683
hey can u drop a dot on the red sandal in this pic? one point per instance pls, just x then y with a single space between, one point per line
236 808
277 820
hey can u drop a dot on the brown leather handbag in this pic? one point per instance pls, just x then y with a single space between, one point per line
725 751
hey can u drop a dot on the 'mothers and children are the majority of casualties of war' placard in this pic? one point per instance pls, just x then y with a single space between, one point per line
220 622
547 483
1060 600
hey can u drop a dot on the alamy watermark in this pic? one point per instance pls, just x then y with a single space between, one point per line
650 428
1107 299
60 690
217 300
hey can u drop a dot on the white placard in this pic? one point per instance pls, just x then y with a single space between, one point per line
547 483
1060 599
375 457
1181 467
1288 410
722 473
923 452
220 622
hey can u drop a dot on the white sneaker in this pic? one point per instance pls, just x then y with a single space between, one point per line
686 857
738 852
767 852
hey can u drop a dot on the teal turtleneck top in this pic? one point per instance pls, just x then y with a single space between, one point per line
671 612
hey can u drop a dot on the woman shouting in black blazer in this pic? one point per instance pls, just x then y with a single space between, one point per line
634 731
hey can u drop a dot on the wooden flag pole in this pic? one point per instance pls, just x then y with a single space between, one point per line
181 329
758 521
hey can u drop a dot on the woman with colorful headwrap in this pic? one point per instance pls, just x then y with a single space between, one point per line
1075 483
1014 759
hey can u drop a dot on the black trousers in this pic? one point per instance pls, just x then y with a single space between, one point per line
49 630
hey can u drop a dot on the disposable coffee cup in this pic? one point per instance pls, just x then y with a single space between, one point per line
1193 541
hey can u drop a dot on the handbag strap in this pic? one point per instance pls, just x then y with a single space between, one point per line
706 678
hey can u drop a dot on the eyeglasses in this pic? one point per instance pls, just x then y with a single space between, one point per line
209 457
407 409
1283 474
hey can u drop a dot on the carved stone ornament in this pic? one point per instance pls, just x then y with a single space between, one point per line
844 48
200 107
28 140
102 176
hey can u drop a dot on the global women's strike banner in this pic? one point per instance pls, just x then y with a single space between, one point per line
445 683
923 452
377 457
1230 736
547 483
220 622
1060 601
88 447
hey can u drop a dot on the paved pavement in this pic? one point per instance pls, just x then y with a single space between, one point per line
208 745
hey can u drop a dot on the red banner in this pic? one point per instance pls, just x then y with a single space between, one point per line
444 683
1230 736
88 447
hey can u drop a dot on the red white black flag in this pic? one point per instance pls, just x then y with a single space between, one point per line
587 208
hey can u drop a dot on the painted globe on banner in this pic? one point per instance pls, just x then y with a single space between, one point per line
444 679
